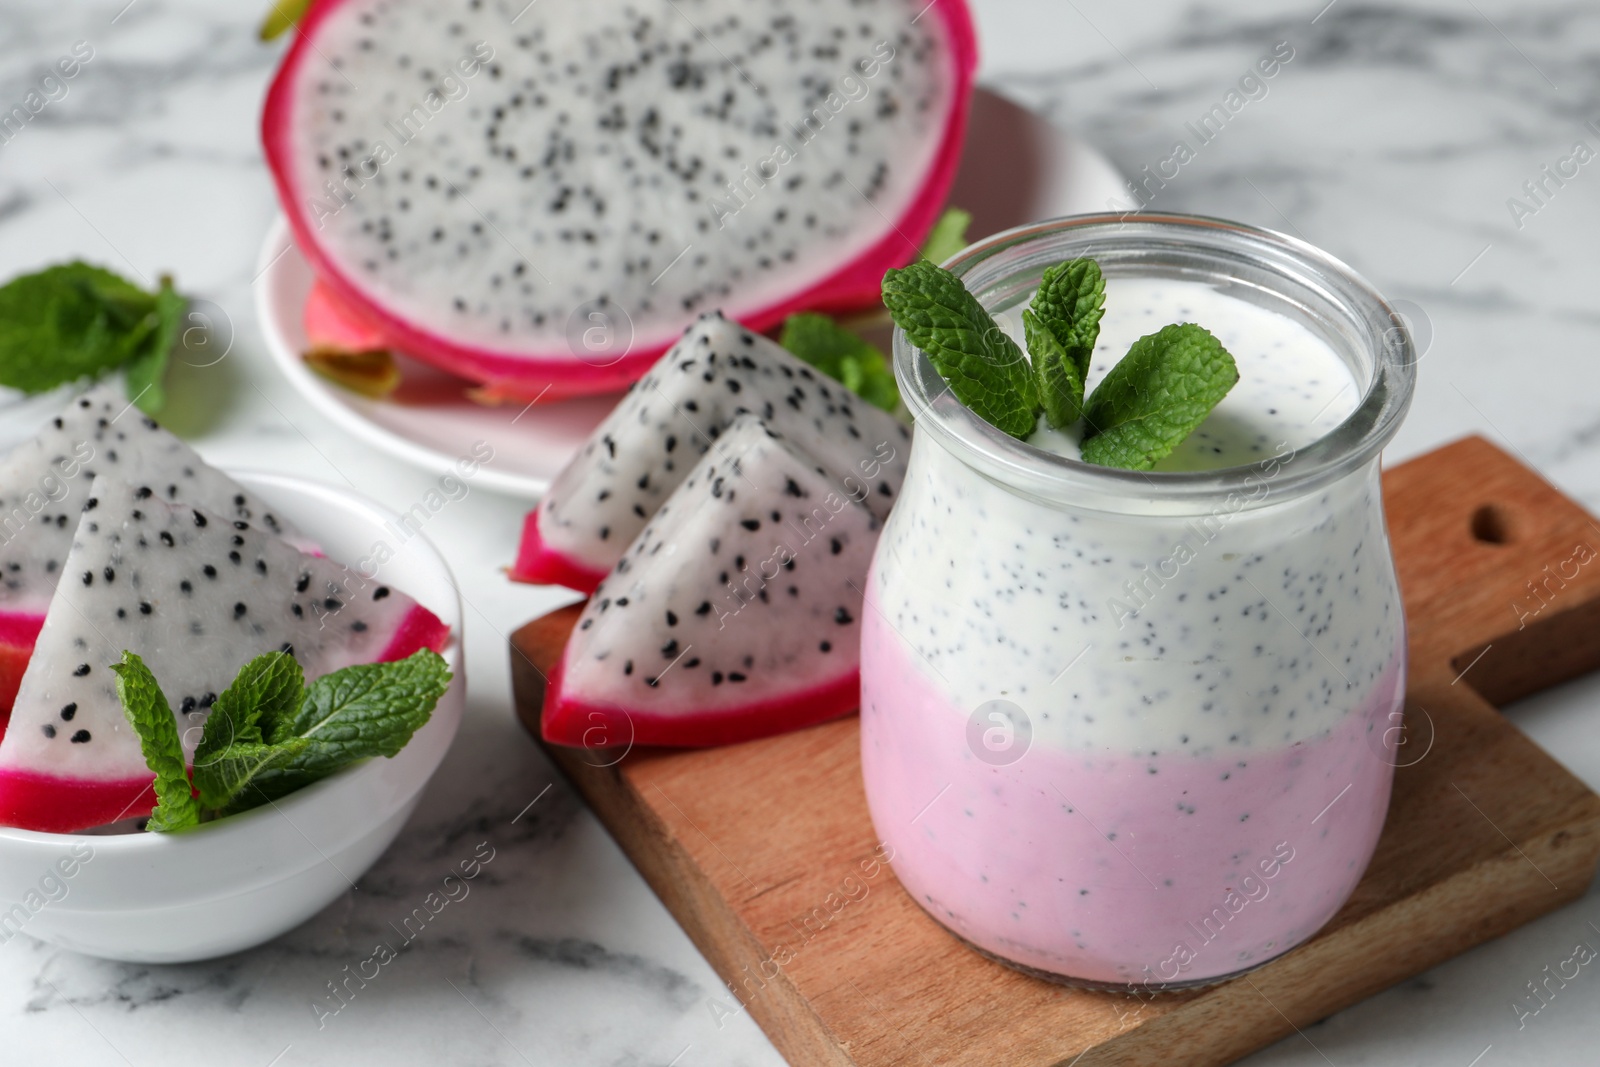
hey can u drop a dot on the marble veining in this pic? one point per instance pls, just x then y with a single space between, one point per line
1395 137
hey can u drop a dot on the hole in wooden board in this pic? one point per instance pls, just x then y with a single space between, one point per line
1491 525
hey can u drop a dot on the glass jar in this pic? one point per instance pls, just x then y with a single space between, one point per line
1134 729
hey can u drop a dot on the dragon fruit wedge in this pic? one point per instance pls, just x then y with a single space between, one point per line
197 596
645 448
735 614
539 197
44 482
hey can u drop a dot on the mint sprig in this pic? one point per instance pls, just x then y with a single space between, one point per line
266 690
1060 378
147 369
842 355
75 320
1156 396
248 774
1070 302
268 734
152 719
233 747
1061 325
985 368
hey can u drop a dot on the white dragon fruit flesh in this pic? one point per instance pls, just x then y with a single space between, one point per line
44 482
735 613
196 595
645 448
539 197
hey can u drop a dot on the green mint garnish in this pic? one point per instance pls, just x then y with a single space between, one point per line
948 236
147 369
1069 302
1060 378
152 719
842 355
268 734
985 368
268 688
1156 396
75 320
247 774
371 709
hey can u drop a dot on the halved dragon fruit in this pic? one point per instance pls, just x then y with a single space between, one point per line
735 614
717 371
44 482
540 196
197 596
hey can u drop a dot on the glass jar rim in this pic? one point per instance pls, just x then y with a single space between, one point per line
1055 478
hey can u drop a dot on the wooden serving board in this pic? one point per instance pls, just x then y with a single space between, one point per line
762 850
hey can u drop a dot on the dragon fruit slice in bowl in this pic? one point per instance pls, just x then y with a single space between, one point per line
241 881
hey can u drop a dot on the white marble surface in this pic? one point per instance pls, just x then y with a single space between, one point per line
1393 138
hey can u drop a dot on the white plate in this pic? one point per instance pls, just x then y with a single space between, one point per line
1015 168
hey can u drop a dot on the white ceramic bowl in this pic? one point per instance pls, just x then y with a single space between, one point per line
235 883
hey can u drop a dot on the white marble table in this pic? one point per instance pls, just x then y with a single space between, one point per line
1393 138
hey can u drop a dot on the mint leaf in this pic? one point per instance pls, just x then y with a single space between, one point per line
267 690
149 364
985 368
75 320
247 774
948 236
1155 397
842 355
151 716
66 322
1070 302
371 709
282 16
268 735
1060 380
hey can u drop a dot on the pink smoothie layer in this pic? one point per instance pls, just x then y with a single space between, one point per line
1118 868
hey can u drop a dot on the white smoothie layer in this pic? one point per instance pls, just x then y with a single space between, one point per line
1292 389
1214 634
